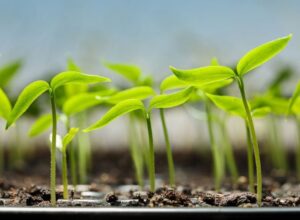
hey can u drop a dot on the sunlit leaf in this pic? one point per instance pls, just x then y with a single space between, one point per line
82 102
230 104
29 94
5 106
117 111
68 138
75 77
8 72
277 105
261 54
130 72
40 125
294 97
204 75
171 100
214 61
261 112
172 82
139 92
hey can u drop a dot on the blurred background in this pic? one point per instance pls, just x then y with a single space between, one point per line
153 35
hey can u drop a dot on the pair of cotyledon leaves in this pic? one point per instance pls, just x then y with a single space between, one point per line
31 92
216 75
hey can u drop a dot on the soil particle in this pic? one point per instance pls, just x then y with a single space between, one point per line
165 197
111 198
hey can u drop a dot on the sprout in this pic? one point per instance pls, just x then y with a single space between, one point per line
5 109
61 145
131 105
35 89
214 74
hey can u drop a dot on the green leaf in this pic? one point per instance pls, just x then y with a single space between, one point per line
139 92
75 77
171 100
29 94
130 72
145 81
172 82
213 87
214 62
204 75
8 72
230 104
282 76
68 138
72 66
117 111
82 102
294 97
277 105
296 107
260 112
40 125
74 88
5 106
261 54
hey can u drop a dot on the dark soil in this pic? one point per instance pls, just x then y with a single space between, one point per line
112 185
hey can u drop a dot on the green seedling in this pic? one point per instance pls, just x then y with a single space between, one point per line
8 73
130 105
172 82
294 110
35 89
133 74
62 147
234 106
214 74
278 106
5 109
85 101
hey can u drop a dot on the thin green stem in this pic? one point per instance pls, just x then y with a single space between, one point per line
83 149
53 153
250 159
1 159
168 150
65 175
136 156
72 154
254 141
215 153
230 160
277 151
298 149
151 154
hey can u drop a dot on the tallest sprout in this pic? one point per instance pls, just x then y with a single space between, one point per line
35 89
213 74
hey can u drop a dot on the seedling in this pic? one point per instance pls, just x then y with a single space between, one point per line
62 146
35 89
294 110
213 74
88 100
133 74
130 105
172 82
5 109
8 73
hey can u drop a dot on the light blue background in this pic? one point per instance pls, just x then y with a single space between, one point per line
153 34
